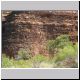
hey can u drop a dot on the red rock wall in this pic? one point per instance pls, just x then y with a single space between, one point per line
30 29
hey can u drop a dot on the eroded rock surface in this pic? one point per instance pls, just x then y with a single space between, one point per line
30 29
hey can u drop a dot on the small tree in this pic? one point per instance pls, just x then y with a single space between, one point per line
59 42
24 53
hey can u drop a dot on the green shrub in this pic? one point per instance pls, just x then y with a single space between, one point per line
67 52
6 62
76 47
60 42
22 64
37 59
12 63
24 54
66 57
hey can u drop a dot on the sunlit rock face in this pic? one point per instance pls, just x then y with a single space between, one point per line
31 29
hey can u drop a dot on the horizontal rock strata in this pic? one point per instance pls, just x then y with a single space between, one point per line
31 29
